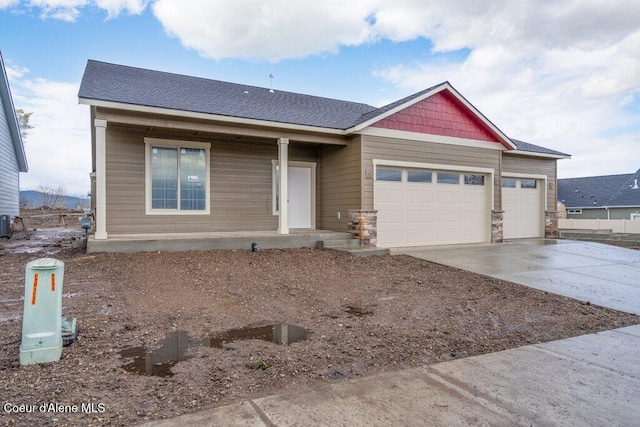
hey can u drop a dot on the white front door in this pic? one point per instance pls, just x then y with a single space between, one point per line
300 197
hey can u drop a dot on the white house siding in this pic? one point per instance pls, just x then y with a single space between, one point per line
9 172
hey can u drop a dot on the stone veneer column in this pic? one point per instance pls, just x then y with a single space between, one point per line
363 224
551 225
497 231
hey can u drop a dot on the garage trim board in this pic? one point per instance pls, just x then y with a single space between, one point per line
433 212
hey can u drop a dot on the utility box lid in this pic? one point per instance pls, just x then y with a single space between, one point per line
45 264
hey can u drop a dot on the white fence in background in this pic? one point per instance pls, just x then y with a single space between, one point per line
616 225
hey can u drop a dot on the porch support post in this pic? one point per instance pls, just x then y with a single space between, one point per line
283 163
101 179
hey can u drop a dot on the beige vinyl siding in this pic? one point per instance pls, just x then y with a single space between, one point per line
519 164
240 187
339 184
9 173
375 147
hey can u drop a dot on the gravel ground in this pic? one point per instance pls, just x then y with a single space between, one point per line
363 316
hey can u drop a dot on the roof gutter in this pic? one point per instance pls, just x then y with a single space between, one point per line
535 154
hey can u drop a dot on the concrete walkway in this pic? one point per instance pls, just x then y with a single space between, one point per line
591 380
605 275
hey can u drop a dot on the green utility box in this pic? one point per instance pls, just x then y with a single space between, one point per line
42 318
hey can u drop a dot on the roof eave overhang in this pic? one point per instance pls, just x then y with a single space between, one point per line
12 120
503 139
544 155
208 116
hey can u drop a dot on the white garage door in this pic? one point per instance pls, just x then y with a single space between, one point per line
522 205
428 207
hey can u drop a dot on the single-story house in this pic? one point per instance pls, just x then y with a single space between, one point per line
12 155
601 197
180 155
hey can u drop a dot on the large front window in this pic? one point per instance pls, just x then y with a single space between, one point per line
177 176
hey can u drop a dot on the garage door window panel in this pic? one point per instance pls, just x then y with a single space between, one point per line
472 179
448 178
508 183
528 183
391 175
419 176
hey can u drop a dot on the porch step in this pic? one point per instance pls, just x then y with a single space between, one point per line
351 247
339 243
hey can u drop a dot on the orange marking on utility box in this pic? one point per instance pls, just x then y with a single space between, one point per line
53 282
34 289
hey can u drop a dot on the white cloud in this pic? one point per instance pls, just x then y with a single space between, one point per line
115 7
565 77
8 3
70 10
59 145
258 29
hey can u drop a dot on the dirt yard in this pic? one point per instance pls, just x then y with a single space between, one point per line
362 316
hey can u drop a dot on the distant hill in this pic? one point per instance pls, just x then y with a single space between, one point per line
30 199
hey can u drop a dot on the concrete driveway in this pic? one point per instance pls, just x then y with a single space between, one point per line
605 275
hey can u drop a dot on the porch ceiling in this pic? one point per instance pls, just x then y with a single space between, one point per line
154 123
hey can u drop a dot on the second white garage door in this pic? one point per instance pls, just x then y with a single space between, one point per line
522 205
429 207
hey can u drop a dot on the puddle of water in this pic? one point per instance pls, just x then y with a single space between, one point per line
280 333
159 362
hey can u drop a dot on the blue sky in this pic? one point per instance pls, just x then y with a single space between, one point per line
565 75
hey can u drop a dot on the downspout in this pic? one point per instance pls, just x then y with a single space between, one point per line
606 208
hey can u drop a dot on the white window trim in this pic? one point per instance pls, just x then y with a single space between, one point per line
574 211
170 143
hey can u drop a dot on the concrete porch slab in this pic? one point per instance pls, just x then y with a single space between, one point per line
177 242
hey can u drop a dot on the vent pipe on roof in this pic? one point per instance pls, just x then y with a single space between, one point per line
635 184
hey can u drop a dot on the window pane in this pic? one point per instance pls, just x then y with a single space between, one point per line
527 183
419 176
448 178
164 178
509 182
388 174
470 179
192 179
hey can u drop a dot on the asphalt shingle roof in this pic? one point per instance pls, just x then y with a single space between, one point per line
525 146
117 83
103 81
598 191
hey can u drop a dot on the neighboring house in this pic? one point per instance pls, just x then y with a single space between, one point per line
12 155
179 154
602 197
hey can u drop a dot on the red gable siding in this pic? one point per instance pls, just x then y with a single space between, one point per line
440 114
